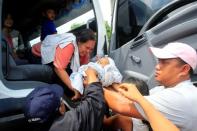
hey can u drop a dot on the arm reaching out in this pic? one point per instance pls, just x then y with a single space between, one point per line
91 76
156 119
63 75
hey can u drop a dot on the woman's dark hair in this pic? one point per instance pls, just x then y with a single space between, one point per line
84 35
140 84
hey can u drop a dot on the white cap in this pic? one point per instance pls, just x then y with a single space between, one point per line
177 50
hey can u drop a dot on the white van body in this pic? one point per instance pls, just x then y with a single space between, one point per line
136 25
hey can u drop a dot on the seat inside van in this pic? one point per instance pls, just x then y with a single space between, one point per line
26 72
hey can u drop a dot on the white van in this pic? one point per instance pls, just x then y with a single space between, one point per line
136 25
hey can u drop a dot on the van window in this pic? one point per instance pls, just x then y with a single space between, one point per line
132 15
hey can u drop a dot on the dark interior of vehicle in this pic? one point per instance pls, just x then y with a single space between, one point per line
27 17
27 14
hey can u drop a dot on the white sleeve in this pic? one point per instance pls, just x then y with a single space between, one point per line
171 104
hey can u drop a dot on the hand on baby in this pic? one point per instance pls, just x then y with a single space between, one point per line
91 76
130 91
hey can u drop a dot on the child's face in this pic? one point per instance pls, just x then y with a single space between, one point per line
50 14
103 61
8 21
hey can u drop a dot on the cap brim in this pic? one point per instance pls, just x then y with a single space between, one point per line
161 53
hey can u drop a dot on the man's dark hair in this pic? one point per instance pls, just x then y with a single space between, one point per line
140 84
183 63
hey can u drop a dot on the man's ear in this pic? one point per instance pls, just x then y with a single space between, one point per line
185 70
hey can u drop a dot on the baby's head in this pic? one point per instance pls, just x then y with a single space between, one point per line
103 61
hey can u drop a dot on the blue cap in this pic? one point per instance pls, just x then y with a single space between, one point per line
42 103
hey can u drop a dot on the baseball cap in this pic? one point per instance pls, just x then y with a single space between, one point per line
177 50
42 103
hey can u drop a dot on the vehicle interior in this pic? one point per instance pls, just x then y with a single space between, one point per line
27 20
19 79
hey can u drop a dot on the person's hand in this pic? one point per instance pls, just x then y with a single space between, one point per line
91 76
90 72
77 95
130 91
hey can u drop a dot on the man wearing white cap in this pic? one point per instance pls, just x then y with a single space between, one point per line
176 98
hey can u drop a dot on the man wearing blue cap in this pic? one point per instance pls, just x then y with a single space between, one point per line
44 105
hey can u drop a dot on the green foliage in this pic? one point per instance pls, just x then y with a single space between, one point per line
76 25
109 30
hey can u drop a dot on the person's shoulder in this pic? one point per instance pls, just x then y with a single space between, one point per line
50 22
47 22
156 89
70 46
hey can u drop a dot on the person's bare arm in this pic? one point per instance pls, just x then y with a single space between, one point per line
157 121
91 76
120 104
63 75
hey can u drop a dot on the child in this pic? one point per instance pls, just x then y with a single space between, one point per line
44 108
48 27
14 40
107 73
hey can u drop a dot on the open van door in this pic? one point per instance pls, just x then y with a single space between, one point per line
139 24
17 81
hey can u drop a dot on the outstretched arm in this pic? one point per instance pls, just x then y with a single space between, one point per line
157 121
120 104
61 61
63 75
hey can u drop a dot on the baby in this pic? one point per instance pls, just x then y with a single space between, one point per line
107 73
